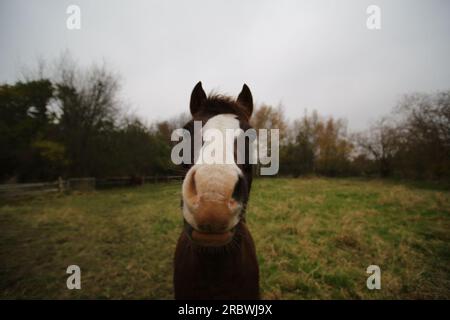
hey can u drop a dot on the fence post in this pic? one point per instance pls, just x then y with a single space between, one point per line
60 185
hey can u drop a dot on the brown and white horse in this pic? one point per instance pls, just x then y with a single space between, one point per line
215 256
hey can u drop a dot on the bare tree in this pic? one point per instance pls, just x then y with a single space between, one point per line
381 142
88 106
425 127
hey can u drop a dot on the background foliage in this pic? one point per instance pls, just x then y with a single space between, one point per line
72 124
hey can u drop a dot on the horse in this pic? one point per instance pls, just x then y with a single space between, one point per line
215 256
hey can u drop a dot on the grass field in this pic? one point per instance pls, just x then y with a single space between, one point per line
314 238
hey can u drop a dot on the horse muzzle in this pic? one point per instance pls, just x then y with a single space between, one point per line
212 205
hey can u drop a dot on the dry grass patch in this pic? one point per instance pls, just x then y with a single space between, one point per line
314 237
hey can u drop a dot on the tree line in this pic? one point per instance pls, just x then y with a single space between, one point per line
412 142
73 124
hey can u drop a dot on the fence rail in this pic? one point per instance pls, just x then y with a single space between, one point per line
13 190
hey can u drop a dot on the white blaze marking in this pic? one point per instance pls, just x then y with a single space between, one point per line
219 134
215 156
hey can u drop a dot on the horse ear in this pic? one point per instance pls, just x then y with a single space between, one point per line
245 99
198 96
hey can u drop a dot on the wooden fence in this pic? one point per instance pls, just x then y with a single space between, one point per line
14 190
28 189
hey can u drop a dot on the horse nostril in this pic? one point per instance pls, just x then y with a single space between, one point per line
190 188
233 205
192 185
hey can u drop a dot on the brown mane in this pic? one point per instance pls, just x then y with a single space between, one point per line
219 104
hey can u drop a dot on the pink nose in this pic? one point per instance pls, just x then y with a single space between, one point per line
207 192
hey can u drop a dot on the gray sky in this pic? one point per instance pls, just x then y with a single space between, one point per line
304 54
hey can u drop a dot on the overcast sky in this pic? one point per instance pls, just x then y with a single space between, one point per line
303 54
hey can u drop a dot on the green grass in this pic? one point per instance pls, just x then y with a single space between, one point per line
314 238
